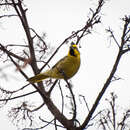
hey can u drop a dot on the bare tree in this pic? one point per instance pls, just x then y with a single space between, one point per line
29 57
109 120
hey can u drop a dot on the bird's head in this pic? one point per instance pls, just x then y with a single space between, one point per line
73 51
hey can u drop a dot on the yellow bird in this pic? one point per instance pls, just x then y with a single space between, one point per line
65 68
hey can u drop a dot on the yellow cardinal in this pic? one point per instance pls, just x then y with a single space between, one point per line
63 69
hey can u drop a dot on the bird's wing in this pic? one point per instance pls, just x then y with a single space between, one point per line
60 62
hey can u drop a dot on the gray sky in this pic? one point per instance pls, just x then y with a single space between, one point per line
58 18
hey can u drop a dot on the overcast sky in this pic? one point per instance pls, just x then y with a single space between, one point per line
58 18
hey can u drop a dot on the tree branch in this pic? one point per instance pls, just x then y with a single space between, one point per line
17 66
61 97
52 87
108 81
22 15
23 95
11 54
39 37
89 24
49 123
112 35
2 16
74 101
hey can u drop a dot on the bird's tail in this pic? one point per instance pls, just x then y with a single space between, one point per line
37 78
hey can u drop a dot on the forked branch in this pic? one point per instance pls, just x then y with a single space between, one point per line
108 81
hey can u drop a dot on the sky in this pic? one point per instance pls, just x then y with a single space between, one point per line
58 19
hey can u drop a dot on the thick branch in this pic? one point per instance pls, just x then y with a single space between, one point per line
58 115
22 15
102 91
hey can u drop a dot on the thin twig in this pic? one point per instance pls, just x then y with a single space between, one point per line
39 37
48 123
51 57
113 36
62 109
74 101
85 102
17 45
20 70
19 96
3 16
12 54
55 124
36 109
52 87
11 92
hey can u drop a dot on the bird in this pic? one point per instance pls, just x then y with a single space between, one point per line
65 68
